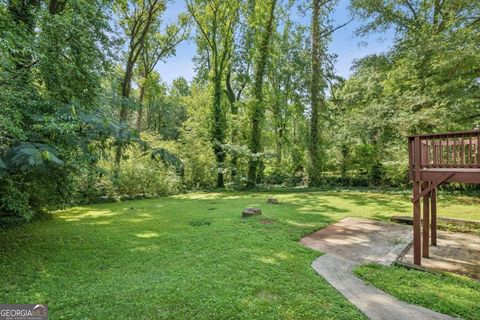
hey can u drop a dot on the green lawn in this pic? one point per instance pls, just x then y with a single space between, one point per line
445 293
189 256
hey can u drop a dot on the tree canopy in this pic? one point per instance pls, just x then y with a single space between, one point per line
85 113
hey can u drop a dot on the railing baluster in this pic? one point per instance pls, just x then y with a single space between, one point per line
448 155
454 151
441 150
470 151
427 146
478 149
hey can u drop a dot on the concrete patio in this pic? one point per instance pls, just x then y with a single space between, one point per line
362 240
351 242
455 252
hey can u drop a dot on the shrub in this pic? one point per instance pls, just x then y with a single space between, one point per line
14 202
144 177
139 174
396 174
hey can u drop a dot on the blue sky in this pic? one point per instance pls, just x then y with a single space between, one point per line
344 43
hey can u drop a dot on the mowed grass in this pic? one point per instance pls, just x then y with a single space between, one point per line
189 256
446 293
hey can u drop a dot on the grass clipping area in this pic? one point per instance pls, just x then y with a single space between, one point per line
446 293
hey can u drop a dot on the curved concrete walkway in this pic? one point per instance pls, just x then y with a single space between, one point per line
373 302
353 241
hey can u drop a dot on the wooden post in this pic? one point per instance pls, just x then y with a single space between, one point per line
417 240
434 216
453 155
417 161
426 223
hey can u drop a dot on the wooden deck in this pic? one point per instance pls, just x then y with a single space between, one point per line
435 159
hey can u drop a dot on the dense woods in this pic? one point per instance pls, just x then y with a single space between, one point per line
85 114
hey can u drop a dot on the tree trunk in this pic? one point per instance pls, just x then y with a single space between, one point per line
140 110
315 165
279 144
56 6
126 89
234 111
278 124
218 128
258 108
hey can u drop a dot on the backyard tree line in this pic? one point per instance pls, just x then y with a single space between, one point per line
86 115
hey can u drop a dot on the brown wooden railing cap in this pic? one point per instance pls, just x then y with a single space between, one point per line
433 135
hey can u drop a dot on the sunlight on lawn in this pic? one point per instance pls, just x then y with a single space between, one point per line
298 224
181 251
81 214
147 235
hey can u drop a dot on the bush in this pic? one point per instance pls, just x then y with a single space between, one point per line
339 181
396 174
277 177
14 202
139 174
144 178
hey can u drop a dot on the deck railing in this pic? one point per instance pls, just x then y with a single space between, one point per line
451 150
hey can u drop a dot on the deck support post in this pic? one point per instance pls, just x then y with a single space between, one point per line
426 222
417 240
433 224
434 159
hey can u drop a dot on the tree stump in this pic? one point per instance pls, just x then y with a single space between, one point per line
249 212
273 201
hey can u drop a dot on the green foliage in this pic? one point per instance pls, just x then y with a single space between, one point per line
71 51
396 174
51 62
366 162
14 201
264 23
165 106
168 159
79 79
194 146
435 91
143 178
216 22
140 173
27 155
420 85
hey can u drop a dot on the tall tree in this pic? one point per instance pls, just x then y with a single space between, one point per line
264 22
238 78
137 18
316 95
288 84
321 66
52 59
158 46
434 57
216 21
